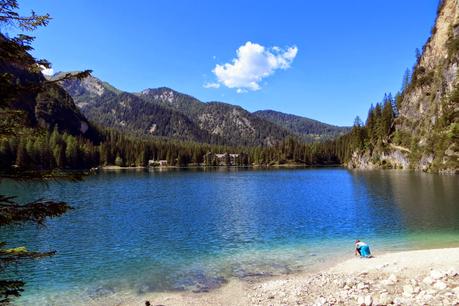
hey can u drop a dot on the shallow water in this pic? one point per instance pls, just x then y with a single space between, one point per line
139 232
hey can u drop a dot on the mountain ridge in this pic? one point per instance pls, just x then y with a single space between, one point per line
306 128
211 122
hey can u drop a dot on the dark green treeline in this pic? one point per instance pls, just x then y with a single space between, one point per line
43 150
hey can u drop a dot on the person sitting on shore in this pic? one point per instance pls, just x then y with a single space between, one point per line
362 249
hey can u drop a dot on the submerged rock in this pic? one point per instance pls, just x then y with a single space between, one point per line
100 292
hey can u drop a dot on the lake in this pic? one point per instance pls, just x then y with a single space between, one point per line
133 232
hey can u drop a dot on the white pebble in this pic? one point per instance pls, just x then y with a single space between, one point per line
440 285
435 274
428 280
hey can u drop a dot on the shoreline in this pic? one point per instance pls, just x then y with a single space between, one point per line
293 166
415 277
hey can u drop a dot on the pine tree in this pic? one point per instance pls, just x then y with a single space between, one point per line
59 156
406 79
71 151
387 118
119 161
22 159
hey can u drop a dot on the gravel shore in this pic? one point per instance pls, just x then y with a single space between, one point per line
425 277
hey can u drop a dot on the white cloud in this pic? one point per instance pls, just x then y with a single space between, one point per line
253 63
211 85
47 71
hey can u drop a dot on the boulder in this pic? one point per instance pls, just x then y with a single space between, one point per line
452 272
360 286
393 278
440 285
435 274
368 300
428 280
408 290
384 299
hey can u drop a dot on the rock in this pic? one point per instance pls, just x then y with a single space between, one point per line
368 300
384 299
452 272
341 283
397 301
408 290
100 292
446 302
435 274
321 301
413 282
417 290
440 285
393 278
428 280
361 300
427 297
360 286
380 267
456 291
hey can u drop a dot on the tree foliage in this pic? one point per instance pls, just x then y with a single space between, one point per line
12 212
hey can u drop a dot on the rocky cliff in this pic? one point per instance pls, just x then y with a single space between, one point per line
425 133
29 100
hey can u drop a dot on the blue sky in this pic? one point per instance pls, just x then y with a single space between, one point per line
343 55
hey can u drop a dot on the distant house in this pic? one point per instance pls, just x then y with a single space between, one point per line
157 163
221 159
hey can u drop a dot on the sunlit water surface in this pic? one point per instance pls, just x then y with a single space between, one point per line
141 232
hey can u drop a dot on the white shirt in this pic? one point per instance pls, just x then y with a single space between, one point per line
360 244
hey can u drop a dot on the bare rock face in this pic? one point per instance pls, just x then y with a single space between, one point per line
429 110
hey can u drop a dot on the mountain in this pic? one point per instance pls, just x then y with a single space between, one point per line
29 100
110 107
308 129
168 113
425 132
231 123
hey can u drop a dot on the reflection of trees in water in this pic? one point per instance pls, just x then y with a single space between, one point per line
416 201
374 199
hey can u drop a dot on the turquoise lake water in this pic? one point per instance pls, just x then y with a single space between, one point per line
141 232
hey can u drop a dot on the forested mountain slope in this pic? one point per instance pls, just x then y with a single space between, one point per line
231 123
424 134
166 112
306 128
110 107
